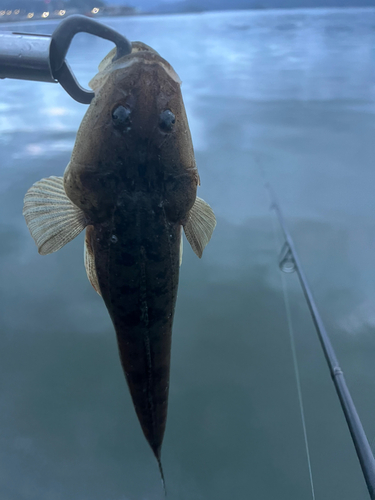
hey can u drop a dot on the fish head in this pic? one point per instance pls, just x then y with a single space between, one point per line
134 137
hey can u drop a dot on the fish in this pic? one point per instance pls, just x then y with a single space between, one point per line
132 184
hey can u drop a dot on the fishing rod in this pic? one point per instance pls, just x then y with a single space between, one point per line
289 262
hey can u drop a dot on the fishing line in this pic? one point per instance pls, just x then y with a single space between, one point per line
295 364
289 262
291 331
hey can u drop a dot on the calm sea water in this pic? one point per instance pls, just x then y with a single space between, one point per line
294 93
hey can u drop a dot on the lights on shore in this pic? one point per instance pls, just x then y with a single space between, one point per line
44 15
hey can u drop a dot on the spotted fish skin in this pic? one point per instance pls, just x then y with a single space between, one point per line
137 265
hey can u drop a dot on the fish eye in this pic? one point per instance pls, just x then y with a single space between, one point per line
120 116
167 120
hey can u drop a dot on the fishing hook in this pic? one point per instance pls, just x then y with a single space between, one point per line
28 56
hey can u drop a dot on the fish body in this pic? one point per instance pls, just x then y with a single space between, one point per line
137 266
131 182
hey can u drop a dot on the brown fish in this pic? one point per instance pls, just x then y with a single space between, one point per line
132 182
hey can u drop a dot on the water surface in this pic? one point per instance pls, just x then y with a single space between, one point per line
294 93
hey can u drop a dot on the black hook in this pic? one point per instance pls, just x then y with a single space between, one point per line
60 42
27 56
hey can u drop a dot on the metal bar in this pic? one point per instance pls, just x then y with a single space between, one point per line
25 57
363 449
42 57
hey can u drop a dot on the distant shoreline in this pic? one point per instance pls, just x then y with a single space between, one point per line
7 20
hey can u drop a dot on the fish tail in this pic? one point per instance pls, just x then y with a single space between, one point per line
157 455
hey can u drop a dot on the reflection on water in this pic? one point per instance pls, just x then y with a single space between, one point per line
293 91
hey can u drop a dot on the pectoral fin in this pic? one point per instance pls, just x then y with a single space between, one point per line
53 220
90 262
200 225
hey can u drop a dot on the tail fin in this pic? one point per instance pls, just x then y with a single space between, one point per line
157 455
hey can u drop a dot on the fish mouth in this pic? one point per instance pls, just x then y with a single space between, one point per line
141 54
142 47
142 58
